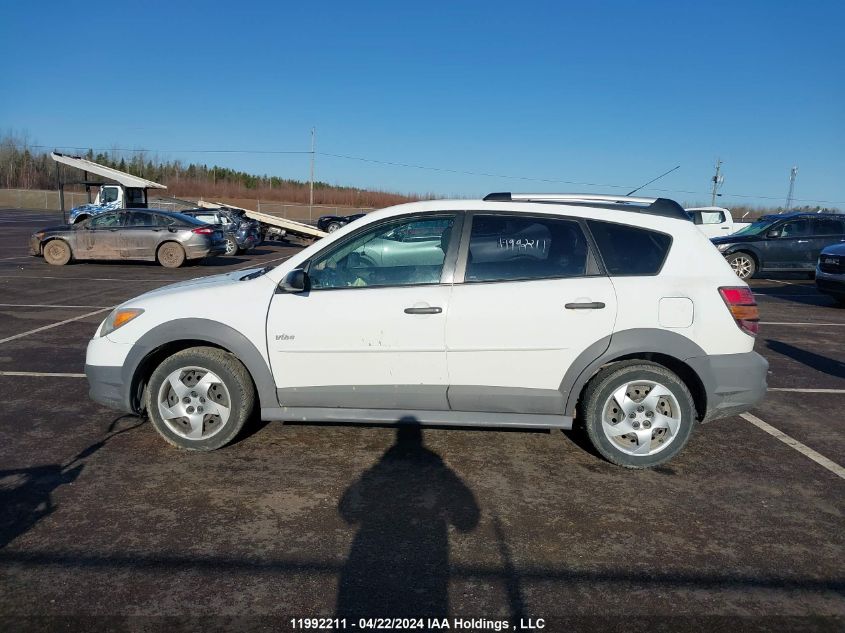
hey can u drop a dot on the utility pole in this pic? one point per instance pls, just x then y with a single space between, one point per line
718 179
311 181
793 174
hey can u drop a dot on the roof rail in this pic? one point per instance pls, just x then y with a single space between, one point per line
653 206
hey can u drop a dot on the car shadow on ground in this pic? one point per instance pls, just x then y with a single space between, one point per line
26 494
403 506
815 361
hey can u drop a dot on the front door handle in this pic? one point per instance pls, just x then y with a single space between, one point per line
424 310
803 241
589 305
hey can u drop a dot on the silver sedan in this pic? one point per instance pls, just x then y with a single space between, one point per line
130 234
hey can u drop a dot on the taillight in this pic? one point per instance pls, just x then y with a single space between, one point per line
203 230
743 307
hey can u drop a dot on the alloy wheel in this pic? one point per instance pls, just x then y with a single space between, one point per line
194 403
641 418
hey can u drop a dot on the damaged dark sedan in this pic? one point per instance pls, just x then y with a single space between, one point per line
171 239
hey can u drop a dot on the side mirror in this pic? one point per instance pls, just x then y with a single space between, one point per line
773 233
295 281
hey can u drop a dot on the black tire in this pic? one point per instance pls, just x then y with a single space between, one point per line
333 226
57 252
743 264
232 247
171 255
599 401
240 393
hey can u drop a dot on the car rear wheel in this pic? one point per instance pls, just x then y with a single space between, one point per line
57 252
231 247
333 226
743 264
171 255
199 398
638 414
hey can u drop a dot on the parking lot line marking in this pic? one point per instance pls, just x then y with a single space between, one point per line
800 390
802 324
157 281
805 450
18 257
778 281
40 374
44 305
52 325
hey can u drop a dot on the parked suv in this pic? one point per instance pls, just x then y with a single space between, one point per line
513 311
830 272
788 242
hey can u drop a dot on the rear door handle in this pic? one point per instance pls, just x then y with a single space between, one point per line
424 310
803 241
590 305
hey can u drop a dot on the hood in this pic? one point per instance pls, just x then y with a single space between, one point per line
205 283
736 239
59 228
835 249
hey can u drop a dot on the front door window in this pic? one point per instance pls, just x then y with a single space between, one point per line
403 252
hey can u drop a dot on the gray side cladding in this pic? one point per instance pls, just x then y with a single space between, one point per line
205 330
622 343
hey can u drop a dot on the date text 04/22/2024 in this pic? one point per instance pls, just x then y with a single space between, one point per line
410 624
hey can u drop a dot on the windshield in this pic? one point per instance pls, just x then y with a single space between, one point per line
756 228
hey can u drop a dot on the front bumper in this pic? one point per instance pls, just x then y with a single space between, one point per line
734 383
107 386
832 284
34 246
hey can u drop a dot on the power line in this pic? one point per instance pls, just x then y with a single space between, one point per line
428 168
171 151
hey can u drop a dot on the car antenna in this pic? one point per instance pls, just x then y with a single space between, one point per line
651 181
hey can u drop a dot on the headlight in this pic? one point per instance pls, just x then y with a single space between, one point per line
723 247
39 236
118 318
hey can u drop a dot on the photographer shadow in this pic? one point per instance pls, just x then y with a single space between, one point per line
398 564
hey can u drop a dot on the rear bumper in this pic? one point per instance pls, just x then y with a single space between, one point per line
197 251
734 383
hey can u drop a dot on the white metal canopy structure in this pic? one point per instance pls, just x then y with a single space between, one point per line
121 177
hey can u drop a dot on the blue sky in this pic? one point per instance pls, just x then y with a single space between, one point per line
612 93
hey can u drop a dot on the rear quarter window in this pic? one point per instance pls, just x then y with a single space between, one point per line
630 250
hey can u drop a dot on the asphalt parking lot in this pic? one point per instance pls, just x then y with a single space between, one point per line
101 517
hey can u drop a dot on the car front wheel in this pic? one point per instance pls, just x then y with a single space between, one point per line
333 226
638 414
57 252
743 264
231 247
199 398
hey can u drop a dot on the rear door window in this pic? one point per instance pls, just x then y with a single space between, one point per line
508 247
141 219
830 226
164 220
630 250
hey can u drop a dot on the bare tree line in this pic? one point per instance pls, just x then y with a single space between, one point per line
23 166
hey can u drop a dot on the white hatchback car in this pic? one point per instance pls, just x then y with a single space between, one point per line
519 310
